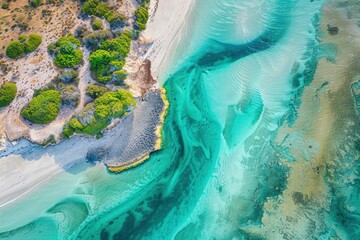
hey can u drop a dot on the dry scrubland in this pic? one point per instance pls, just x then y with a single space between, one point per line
36 70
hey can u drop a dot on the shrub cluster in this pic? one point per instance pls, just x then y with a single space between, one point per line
95 91
66 51
7 94
32 43
110 58
97 24
102 9
17 49
141 17
97 115
35 3
5 6
94 39
43 108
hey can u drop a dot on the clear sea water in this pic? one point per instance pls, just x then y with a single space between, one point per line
232 84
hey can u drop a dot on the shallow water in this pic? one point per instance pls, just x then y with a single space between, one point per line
236 81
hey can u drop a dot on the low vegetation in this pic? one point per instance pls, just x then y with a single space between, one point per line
94 39
35 3
97 24
24 45
142 15
32 43
97 115
7 94
66 52
43 108
95 91
110 57
102 10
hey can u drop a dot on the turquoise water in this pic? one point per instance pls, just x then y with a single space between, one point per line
237 76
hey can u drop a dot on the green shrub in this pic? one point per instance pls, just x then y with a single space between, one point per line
110 57
32 43
95 91
66 39
68 76
22 38
66 51
102 9
68 60
90 6
113 104
43 108
94 39
35 3
120 45
141 15
5 6
15 50
97 24
120 75
115 20
7 94
99 58
52 49
70 95
106 107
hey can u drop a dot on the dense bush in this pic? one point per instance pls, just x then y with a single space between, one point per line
70 95
32 43
81 31
106 107
114 104
68 60
116 20
35 3
120 76
5 6
141 15
66 51
110 57
94 39
15 50
43 108
7 94
95 91
90 6
97 24
22 38
68 76
67 39
102 9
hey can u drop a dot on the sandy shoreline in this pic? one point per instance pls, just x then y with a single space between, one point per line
26 165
